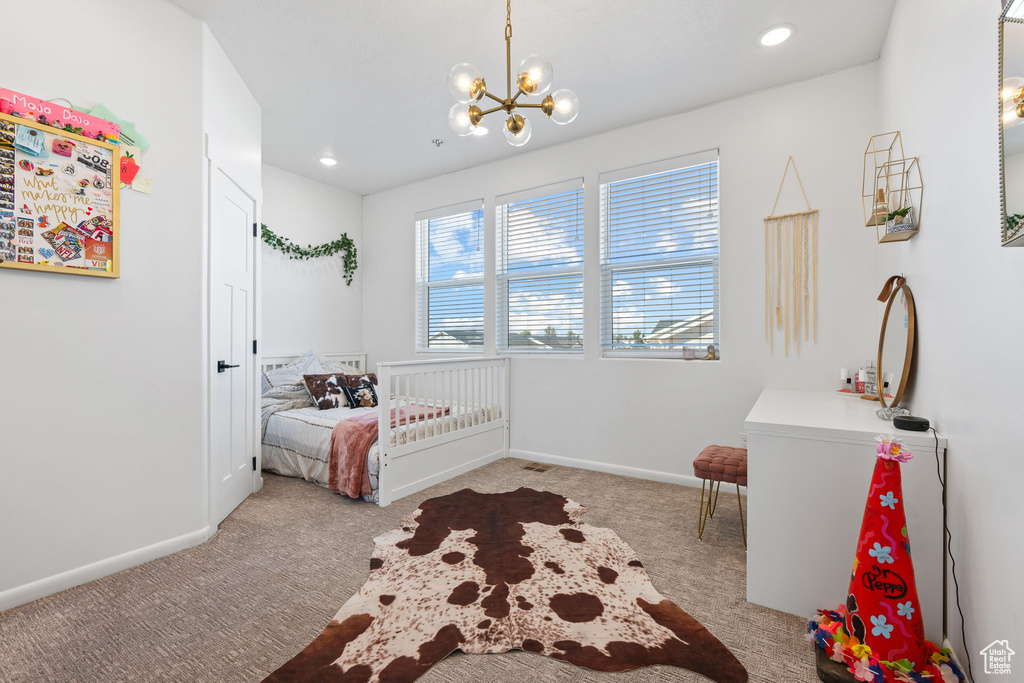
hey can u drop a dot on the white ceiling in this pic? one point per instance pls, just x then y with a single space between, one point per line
364 80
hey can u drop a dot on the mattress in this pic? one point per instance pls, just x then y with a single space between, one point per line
297 442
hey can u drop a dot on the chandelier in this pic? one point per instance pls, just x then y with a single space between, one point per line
1013 101
467 85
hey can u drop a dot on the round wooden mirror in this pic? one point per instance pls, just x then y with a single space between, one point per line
895 342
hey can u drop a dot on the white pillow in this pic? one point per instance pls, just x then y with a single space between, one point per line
338 367
306 364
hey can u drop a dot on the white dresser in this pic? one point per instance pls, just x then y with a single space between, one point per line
809 461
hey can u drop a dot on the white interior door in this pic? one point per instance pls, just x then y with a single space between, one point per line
232 331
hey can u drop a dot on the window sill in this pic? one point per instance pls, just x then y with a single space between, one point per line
538 354
450 352
655 356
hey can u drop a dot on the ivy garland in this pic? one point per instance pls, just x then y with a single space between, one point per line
343 245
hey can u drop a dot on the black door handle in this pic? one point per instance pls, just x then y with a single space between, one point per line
222 366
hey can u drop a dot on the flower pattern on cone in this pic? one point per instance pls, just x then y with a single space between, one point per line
883 575
879 632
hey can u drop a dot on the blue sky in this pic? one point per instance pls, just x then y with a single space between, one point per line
683 221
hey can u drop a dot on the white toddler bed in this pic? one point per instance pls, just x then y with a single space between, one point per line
470 428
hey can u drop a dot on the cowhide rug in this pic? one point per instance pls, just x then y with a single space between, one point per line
491 572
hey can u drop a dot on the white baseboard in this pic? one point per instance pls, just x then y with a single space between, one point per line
90 572
624 470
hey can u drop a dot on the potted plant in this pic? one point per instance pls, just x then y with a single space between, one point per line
900 220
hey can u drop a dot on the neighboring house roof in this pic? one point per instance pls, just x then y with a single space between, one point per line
698 327
551 341
464 337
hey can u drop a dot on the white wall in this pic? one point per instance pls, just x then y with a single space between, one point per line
232 122
940 64
306 304
655 415
100 429
104 447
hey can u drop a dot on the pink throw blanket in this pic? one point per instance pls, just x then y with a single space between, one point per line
351 439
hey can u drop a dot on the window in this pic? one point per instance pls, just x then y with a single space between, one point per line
540 269
450 279
659 258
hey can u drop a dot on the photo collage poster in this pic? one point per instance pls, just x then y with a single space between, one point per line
56 199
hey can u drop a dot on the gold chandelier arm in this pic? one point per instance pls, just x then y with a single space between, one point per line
491 111
508 67
530 106
517 95
508 50
495 98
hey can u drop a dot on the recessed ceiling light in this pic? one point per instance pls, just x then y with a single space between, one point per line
776 35
328 161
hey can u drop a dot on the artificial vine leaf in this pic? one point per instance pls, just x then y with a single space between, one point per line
343 245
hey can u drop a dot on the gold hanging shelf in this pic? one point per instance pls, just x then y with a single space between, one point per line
892 189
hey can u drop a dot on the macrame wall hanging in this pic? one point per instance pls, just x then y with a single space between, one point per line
791 272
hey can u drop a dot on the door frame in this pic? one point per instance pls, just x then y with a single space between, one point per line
210 169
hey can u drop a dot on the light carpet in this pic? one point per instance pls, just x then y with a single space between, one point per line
240 605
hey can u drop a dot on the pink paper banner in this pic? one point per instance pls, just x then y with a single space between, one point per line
58 116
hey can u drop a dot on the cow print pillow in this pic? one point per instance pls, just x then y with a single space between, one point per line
326 391
362 396
355 380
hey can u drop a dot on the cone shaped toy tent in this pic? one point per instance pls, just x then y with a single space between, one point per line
879 632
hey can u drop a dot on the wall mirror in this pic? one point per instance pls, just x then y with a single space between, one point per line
1011 130
895 342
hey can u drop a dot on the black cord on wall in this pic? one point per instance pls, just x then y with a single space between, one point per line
949 550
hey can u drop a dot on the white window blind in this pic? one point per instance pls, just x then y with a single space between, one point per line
540 270
659 258
449 279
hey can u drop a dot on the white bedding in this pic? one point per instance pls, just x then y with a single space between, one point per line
297 442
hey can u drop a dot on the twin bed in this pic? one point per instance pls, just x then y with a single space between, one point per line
435 419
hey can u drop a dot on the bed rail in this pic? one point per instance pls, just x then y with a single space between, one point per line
439 418
356 359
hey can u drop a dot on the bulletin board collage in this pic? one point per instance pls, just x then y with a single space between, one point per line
59 191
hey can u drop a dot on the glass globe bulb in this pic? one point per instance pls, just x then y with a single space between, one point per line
460 120
460 82
1012 116
535 75
566 106
522 137
1011 88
